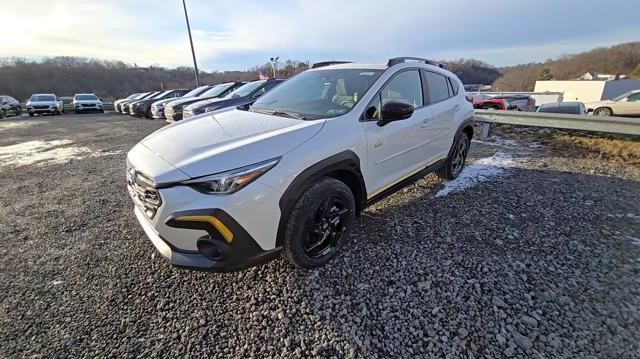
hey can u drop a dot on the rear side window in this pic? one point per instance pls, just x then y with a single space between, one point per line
454 86
438 86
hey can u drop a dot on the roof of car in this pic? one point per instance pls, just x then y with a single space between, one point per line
561 104
354 66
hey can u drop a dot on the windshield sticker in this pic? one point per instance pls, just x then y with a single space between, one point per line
367 73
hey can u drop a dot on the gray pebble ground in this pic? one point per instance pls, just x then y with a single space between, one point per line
540 262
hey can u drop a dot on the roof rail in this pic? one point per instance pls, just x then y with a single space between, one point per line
328 63
403 59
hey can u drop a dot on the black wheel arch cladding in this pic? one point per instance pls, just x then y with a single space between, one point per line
343 166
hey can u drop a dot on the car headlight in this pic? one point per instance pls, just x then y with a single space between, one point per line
231 181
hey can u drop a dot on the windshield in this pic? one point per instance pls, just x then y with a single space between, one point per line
320 93
196 91
86 97
217 90
626 94
39 98
245 90
158 96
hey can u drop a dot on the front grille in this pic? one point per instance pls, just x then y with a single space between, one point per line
88 105
41 107
142 191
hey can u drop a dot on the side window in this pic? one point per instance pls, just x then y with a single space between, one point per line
454 86
265 88
404 87
438 86
634 97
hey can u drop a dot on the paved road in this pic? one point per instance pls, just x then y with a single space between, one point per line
531 253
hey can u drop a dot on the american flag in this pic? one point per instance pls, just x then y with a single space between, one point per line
262 76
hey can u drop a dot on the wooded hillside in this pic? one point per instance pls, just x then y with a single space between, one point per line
620 59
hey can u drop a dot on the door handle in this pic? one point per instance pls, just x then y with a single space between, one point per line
456 107
425 123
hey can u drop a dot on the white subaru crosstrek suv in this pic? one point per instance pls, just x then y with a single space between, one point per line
231 188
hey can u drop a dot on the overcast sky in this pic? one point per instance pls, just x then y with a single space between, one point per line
237 34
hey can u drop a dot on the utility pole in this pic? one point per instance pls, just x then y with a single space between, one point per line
193 53
274 61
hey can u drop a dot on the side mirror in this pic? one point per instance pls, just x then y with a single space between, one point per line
257 94
395 111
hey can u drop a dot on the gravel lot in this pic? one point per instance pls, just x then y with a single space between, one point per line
542 259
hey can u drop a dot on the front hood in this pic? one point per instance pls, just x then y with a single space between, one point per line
186 101
88 102
218 102
229 139
163 102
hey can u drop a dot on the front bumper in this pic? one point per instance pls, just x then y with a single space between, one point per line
42 110
157 112
89 109
173 115
204 232
214 254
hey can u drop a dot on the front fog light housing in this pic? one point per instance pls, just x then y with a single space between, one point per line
231 181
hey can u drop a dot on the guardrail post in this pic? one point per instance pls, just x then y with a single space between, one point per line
486 127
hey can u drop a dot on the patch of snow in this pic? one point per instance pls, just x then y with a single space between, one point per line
482 170
632 216
4 125
57 282
45 153
633 240
497 141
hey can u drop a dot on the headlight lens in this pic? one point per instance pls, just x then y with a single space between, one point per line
231 181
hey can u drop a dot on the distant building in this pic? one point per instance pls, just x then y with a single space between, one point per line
588 91
594 76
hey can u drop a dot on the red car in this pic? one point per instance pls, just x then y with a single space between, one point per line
493 104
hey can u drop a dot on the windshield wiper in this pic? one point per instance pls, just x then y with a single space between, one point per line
291 114
281 113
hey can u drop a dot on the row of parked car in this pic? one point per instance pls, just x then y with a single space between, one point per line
627 104
174 105
50 104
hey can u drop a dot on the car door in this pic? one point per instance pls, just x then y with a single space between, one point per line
628 106
441 102
396 149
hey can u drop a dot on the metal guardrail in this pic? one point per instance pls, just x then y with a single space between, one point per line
617 125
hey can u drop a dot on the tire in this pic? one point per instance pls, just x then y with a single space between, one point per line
31 114
603 112
457 157
148 113
3 113
76 111
319 224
